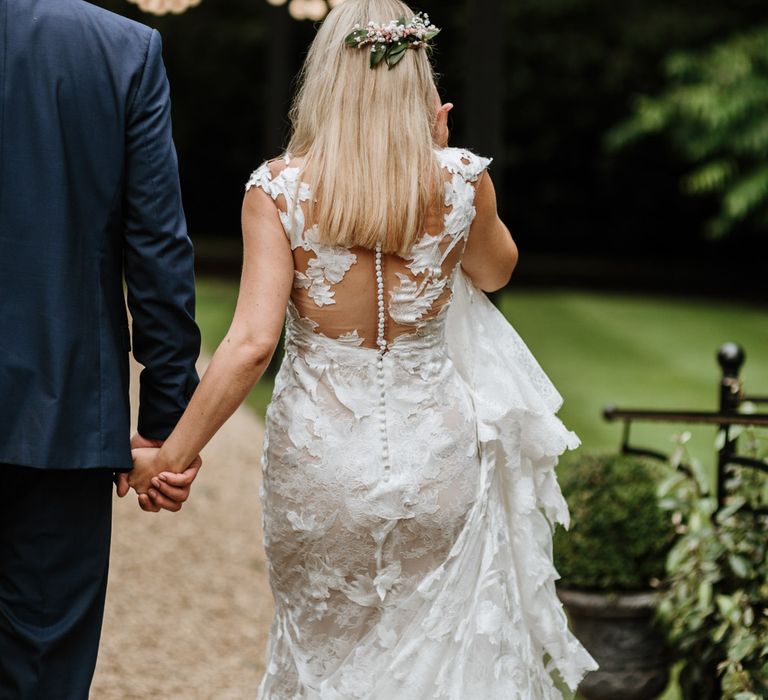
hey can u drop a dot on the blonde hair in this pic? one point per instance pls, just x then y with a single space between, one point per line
366 135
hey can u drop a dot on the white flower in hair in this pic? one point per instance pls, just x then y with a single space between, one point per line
390 42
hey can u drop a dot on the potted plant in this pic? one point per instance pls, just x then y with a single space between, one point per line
610 561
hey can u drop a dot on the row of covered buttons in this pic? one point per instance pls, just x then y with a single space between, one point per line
381 342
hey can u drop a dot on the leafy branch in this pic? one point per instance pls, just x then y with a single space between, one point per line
715 111
715 601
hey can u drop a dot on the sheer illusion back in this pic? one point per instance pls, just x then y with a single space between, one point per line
404 563
336 289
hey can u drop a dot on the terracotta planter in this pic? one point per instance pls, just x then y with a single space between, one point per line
617 630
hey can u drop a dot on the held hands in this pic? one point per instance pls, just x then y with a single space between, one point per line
157 487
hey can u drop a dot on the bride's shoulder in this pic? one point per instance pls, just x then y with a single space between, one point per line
272 175
462 161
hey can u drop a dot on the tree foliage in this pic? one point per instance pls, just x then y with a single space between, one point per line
714 109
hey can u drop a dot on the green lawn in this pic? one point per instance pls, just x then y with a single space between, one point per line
631 351
637 352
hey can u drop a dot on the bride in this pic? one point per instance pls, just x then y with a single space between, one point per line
408 466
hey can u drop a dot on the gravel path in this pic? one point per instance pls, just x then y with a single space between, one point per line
188 604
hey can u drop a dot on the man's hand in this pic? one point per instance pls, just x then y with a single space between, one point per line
138 441
122 485
147 464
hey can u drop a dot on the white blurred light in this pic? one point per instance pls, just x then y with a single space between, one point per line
298 9
162 7
316 9
308 9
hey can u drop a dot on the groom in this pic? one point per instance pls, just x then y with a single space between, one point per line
89 196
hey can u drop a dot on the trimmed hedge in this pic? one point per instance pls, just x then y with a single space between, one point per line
619 536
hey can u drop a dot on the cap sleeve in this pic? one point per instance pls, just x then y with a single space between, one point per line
278 180
463 162
262 178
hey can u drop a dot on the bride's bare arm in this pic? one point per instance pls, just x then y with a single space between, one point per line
245 352
491 254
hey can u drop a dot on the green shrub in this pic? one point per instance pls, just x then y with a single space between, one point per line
619 536
715 599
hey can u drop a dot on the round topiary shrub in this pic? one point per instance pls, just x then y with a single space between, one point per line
619 536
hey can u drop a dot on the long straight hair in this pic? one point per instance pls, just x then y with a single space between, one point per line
366 135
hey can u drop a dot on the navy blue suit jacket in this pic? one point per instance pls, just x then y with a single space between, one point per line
89 199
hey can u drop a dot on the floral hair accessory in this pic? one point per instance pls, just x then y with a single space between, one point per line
391 41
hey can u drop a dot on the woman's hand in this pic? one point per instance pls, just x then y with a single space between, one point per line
441 132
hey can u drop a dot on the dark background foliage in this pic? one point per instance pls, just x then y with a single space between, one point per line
537 84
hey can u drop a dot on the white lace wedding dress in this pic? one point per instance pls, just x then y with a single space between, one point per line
409 489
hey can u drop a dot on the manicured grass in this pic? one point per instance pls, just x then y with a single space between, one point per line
637 352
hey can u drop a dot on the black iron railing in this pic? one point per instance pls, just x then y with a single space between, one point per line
732 399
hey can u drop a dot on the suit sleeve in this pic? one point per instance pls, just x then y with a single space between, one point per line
159 260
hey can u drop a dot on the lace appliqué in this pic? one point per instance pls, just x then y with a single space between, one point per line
330 263
412 300
327 268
